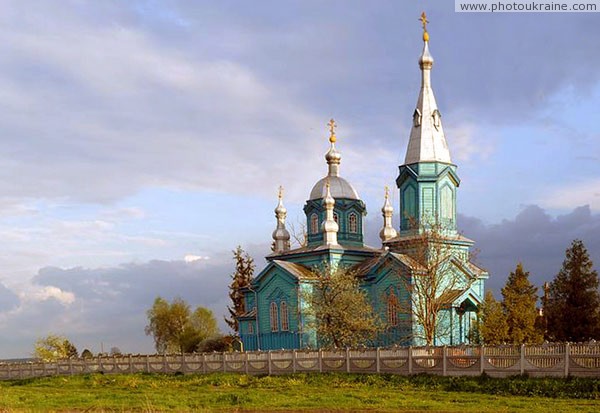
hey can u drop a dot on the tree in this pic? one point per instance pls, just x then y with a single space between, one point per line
340 309
176 329
86 354
54 347
572 306
492 327
519 304
433 282
244 270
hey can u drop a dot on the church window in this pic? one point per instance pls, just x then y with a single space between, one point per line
352 223
436 118
447 203
417 118
335 217
284 316
250 328
274 317
314 224
392 310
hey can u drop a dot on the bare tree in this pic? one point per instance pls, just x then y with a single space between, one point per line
434 281
299 233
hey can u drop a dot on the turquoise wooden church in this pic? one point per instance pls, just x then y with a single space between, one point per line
427 181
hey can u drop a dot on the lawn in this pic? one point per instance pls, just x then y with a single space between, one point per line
306 392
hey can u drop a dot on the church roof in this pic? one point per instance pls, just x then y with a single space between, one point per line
297 270
427 141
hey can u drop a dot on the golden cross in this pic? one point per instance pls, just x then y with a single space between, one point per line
332 127
280 195
424 22
387 192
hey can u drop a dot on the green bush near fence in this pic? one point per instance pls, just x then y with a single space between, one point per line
228 392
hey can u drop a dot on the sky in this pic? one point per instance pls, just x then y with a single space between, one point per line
142 141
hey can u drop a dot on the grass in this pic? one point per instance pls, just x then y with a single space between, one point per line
306 392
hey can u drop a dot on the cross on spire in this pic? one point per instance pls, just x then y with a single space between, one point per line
332 125
424 22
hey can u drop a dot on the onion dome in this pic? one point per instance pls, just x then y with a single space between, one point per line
387 232
329 227
338 186
281 236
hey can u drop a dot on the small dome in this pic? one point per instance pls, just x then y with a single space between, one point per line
339 188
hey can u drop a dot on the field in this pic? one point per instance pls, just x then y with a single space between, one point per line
314 392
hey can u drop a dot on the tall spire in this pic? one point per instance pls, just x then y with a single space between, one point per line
329 227
281 236
333 157
387 232
427 142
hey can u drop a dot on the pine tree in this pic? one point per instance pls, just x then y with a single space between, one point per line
244 270
572 309
520 298
492 326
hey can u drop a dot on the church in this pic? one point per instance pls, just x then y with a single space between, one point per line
276 315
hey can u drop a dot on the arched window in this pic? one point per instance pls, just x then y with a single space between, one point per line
392 310
314 224
352 223
285 326
274 317
250 328
335 217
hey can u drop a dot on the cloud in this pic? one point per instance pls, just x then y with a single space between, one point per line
573 194
534 238
8 299
50 292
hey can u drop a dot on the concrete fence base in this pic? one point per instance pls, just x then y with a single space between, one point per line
558 360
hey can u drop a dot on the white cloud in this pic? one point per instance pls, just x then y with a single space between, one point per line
50 292
573 195
193 258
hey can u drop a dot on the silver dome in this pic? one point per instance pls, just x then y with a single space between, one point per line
338 186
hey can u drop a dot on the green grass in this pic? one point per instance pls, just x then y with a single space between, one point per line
316 392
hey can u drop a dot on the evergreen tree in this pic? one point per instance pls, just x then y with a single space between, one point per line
492 327
244 270
572 309
520 297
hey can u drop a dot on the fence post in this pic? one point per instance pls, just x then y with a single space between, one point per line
377 359
410 360
444 366
320 359
481 358
269 362
293 360
147 363
347 359
165 367
522 363
223 355
70 367
567 353
130 364
204 363
247 362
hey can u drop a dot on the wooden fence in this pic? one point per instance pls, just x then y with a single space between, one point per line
559 360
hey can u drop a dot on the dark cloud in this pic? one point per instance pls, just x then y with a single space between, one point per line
534 238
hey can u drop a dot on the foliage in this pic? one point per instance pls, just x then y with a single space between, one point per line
572 306
340 308
219 344
519 304
299 392
54 347
86 354
244 271
176 329
492 326
434 281
115 351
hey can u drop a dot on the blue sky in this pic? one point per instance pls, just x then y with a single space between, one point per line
141 141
